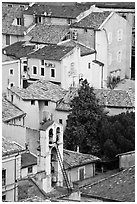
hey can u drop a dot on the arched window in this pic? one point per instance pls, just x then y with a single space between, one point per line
51 136
57 134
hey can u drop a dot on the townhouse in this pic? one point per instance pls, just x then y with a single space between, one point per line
11 165
110 35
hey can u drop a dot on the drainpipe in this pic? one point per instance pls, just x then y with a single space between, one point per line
20 73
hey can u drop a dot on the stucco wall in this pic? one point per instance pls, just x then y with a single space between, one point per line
7 78
14 133
28 20
13 39
125 161
24 171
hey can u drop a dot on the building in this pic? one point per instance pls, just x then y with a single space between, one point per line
126 160
28 165
110 35
38 101
78 166
11 113
11 164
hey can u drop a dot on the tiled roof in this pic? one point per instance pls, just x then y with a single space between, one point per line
28 159
84 50
92 21
46 125
51 52
8 16
18 49
10 147
10 111
43 33
125 153
112 98
40 90
116 5
120 186
57 11
72 159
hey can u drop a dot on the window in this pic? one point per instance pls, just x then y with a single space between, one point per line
11 71
29 169
34 70
60 121
42 62
38 19
21 6
42 71
69 21
7 39
119 34
9 5
3 197
89 65
25 61
109 59
12 98
18 21
52 72
81 173
3 177
110 37
25 68
119 56
46 103
11 84
32 102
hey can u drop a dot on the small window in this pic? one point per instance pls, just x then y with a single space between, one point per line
11 84
3 177
81 173
46 103
42 62
25 68
119 34
52 72
18 21
7 39
60 121
85 30
42 71
25 61
32 102
34 70
11 72
21 6
12 98
29 169
39 19
69 21
89 65
9 5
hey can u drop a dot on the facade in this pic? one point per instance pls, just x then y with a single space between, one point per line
11 164
78 166
126 160
112 43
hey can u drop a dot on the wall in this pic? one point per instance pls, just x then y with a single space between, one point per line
14 133
9 164
6 77
73 172
117 111
13 39
24 171
37 62
124 45
66 68
28 20
32 137
85 36
126 161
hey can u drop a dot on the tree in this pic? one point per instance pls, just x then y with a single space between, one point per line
81 128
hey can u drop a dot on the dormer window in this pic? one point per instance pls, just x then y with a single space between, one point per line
38 19
18 21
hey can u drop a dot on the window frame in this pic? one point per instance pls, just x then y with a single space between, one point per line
32 102
80 168
51 73
41 71
89 65
46 103
33 70
4 178
19 21
118 56
8 39
60 121
30 167
12 70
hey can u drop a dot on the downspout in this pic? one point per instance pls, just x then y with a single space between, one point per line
20 73
15 181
